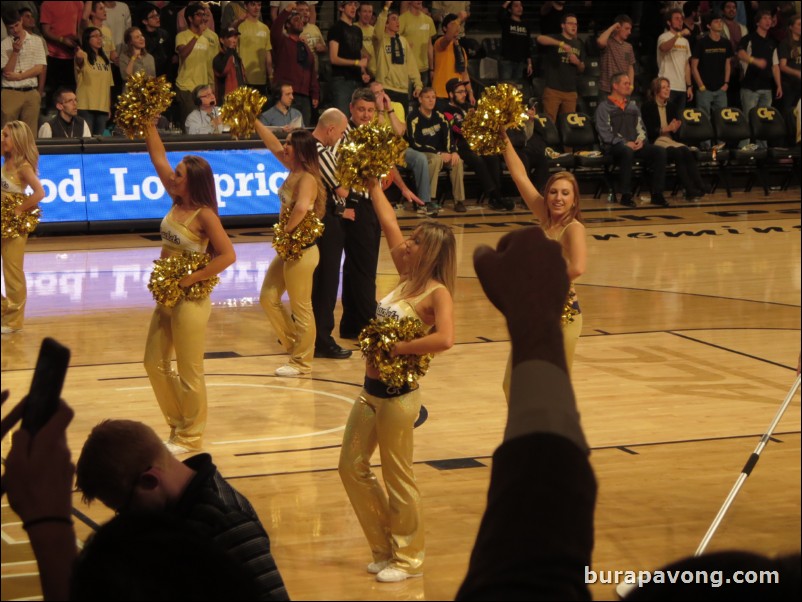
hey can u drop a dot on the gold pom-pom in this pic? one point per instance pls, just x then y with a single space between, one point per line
168 273
369 151
376 341
499 108
144 99
290 246
569 311
16 225
241 109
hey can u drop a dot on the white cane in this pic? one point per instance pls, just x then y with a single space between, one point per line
624 589
747 470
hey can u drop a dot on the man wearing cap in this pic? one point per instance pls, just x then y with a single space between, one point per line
229 72
429 132
487 168
295 62
196 48
450 60
396 68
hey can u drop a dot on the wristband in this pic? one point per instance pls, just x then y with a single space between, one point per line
356 63
46 519
751 60
726 83
701 88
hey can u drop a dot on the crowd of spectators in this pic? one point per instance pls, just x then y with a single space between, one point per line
713 55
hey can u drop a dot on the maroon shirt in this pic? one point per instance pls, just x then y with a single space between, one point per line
288 52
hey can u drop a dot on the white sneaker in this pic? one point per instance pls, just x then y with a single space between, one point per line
8 330
393 575
289 371
374 568
176 449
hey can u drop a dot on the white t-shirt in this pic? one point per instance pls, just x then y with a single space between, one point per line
672 63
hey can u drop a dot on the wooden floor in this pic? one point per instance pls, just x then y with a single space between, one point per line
691 335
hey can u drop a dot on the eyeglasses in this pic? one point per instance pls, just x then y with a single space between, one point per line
153 16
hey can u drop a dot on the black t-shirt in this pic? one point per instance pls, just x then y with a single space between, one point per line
159 44
349 37
713 57
789 50
515 42
760 48
561 74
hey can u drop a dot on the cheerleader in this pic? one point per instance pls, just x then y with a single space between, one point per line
384 416
18 173
301 194
192 224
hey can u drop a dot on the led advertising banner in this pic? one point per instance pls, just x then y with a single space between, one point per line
124 186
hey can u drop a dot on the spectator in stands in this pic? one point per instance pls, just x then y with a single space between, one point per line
295 63
617 54
396 68
516 55
66 123
126 466
662 122
711 66
428 132
118 20
229 72
486 167
311 6
349 63
93 72
282 114
205 119
31 26
393 114
564 62
135 57
690 21
23 60
440 9
255 48
196 48
311 34
418 28
61 22
234 14
94 15
551 18
673 58
623 137
733 32
789 54
450 60
157 40
365 20
758 55
182 19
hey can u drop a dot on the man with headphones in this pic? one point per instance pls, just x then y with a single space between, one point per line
205 119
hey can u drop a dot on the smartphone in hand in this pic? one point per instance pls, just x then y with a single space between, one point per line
48 379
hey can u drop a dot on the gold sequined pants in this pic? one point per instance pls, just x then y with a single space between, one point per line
571 332
296 332
181 394
392 521
16 289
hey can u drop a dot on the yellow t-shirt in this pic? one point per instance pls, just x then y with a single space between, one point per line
196 69
254 44
444 68
93 86
418 30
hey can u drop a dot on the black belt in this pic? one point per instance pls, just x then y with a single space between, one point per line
20 89
378 389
